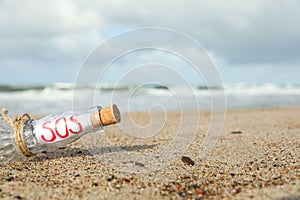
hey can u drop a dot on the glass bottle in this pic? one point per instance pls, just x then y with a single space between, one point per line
52 131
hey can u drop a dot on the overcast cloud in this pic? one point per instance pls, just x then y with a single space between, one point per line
251 41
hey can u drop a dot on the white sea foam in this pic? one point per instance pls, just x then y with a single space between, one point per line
58 97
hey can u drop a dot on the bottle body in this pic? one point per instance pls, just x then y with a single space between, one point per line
54 131
60 129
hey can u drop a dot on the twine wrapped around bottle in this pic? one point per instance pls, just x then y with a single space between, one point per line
18 123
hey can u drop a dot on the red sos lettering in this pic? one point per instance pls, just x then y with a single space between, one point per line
53 128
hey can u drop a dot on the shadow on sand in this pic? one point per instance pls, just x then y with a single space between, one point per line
65 152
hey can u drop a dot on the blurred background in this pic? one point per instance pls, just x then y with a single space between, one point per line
255 46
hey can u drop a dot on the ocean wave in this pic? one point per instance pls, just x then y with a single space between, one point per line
262 89
242 88
58 97
10 88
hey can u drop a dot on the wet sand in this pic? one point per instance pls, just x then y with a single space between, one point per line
257 157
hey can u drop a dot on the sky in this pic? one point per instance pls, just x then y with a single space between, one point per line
44 42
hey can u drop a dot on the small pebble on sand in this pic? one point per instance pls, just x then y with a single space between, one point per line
109 177
236 132
187 160
139 164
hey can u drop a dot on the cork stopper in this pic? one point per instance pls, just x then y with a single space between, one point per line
106 116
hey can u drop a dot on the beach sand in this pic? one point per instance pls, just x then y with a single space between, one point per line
257 156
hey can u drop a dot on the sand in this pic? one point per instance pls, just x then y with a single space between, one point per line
257 157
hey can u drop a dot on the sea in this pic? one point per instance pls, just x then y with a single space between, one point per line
59 97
